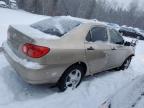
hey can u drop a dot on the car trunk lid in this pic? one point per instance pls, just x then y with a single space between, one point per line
18 35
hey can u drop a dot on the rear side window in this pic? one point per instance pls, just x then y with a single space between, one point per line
97 34
57 25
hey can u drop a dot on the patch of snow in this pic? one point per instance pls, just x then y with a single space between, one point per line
16 17
3 33
113 25
56 25
131 96
86 20
33 33
2 3
61 25
23 62
5 97
30 65
13 1
80 19
91 93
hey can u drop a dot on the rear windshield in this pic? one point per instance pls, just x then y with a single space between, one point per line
56 26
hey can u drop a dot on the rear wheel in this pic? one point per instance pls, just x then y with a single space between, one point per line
71 78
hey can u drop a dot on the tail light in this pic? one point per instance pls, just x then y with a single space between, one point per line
35 51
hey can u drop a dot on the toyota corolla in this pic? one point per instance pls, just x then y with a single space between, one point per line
63 50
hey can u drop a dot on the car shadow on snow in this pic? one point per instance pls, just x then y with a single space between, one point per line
100 74
21 90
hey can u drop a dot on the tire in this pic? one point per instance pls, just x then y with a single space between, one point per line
71 78
126 63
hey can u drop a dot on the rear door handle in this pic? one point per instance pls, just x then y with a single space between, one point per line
90 48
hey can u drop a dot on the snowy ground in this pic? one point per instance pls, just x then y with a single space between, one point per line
132 95
14 93
8 16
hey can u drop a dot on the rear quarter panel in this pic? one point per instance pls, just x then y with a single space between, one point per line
65 51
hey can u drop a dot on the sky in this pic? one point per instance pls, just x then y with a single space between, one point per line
125 3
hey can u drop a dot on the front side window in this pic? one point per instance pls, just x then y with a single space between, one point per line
99 34
115 37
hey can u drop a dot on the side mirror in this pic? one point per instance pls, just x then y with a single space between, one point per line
127 43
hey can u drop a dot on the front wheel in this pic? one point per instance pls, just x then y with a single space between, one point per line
71 78
126 63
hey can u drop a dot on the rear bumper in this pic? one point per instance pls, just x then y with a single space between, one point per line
32 73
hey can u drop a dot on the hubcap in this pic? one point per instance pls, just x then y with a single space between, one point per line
73 79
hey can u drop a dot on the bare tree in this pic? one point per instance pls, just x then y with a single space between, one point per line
99 9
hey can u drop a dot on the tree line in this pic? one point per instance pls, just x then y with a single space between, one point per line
90 9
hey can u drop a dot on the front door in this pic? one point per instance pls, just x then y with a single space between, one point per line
117 53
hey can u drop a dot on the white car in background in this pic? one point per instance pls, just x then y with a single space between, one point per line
131 96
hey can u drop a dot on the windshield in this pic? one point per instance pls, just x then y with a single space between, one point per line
56 26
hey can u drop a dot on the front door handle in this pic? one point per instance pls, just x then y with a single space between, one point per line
114 49
90 48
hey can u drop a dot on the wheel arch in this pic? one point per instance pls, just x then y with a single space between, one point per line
60 81
130 56
80 63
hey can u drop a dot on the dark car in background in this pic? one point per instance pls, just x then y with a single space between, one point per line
113 25
129 32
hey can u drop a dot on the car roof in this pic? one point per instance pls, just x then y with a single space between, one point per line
82 20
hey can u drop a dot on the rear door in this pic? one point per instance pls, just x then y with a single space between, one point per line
118 50
96 49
